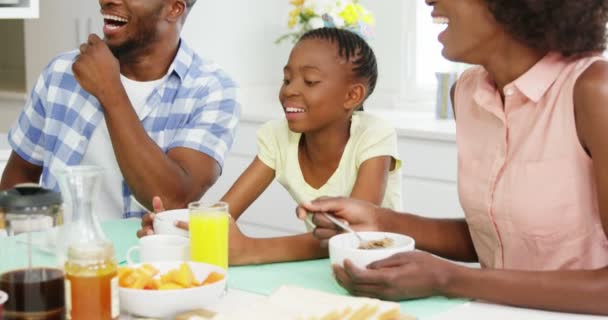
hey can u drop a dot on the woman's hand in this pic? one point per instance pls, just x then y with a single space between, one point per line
360 215
402 276
147 221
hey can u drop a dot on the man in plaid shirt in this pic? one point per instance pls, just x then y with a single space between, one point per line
139 103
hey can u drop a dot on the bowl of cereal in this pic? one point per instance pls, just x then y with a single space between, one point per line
377 246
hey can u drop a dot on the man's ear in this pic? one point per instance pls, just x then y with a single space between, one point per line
355 96
177 10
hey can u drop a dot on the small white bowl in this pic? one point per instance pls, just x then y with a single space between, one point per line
168 303
346 246
164 222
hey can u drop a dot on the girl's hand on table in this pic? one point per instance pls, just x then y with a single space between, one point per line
402 276
360 215
147 221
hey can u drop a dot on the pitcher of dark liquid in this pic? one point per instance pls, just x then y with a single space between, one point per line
30 273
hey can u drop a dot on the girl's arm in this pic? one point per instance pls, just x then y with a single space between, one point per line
248 187
372 178
245 250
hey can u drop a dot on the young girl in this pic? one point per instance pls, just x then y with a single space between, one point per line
532 171
323 147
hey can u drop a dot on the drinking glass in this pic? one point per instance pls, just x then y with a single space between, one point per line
209 224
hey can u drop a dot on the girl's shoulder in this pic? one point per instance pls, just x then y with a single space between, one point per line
276 130
275 125
363 120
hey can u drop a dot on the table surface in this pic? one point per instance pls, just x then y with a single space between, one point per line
243 293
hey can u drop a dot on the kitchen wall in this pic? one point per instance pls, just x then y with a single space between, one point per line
237 34
240 34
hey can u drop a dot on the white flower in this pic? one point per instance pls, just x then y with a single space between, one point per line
316 22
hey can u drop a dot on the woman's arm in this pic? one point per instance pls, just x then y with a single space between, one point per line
591 114
419 274
567 291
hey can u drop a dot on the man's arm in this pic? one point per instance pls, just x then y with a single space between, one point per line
17 171
180 176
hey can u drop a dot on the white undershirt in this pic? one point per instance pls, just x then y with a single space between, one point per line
108 204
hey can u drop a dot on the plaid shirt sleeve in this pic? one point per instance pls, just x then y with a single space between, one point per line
27 136
212 126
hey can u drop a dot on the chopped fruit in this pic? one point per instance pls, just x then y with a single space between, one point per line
213 277
147 277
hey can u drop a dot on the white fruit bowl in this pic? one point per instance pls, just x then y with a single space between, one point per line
168 303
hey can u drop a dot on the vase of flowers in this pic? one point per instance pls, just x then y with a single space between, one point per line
306 15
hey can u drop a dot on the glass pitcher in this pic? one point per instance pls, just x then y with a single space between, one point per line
90 267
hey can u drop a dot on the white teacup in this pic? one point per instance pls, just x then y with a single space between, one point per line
161 247
164 222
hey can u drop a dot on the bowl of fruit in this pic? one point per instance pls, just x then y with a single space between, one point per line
166 288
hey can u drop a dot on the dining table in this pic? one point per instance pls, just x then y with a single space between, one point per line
250 284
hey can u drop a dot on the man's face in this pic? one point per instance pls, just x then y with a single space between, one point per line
131 24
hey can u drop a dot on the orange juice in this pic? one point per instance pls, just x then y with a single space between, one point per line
209 233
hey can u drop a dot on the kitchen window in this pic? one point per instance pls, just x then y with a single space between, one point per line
422 57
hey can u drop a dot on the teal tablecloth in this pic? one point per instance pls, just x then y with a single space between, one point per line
261 279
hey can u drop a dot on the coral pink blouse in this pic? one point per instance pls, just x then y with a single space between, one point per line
525 183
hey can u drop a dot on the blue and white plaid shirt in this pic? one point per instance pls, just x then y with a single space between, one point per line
195 107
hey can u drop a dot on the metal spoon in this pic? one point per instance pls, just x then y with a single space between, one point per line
345 227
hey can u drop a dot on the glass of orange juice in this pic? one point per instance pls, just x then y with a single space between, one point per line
209 233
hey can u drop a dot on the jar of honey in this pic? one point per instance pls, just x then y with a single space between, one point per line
91 283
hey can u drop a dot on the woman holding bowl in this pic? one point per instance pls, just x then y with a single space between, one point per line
532 165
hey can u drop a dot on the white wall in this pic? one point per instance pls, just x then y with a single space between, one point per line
240 34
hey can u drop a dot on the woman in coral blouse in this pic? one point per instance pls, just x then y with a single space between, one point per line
531 123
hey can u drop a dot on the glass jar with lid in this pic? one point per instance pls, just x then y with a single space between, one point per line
91 269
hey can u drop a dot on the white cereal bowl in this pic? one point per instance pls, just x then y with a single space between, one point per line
164 222
168 303
346 246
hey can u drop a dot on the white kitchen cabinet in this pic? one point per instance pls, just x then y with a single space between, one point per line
62 26
19 9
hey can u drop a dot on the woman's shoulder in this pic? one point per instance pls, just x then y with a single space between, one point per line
473 73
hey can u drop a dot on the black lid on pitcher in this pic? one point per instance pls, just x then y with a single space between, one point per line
28 195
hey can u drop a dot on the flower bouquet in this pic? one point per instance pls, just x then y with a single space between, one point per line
312 14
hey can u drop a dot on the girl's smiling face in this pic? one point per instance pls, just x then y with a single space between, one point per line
471 31
316 84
